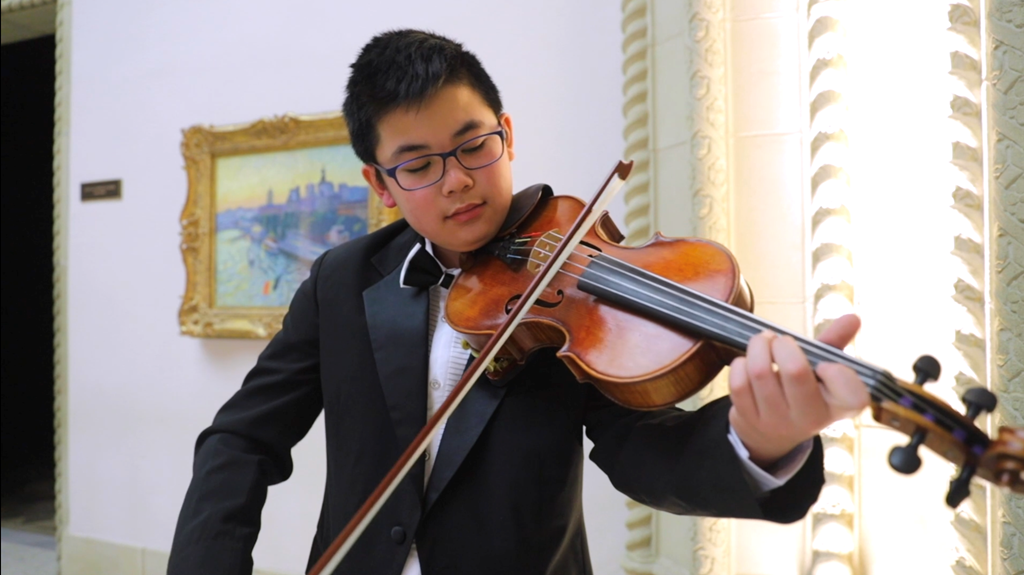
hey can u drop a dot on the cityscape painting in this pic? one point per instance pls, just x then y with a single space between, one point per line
276 213
265 199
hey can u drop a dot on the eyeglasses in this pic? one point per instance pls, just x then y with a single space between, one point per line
425 171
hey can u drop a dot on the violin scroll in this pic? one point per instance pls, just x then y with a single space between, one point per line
931 422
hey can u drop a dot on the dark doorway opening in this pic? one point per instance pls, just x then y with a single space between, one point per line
26 286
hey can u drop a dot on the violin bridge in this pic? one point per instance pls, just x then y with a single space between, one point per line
542 250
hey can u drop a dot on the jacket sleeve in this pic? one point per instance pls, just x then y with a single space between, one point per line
248 446
682 462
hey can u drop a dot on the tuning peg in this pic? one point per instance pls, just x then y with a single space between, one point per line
905 459
978 399
960 487
926 369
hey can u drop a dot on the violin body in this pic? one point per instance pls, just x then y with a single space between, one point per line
636 362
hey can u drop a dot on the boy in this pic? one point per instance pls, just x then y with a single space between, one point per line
499 489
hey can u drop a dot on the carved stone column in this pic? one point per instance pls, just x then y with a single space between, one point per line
833 546
709 133
1004 88
640 552
966 106
635 108
691 117
988 103
709 157
61 155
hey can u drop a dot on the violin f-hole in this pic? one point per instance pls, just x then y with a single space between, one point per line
511 303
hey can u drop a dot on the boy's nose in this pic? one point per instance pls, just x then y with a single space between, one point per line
456 178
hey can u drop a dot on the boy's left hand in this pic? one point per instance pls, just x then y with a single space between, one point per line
779 401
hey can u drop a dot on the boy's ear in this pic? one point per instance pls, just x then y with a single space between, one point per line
506 122
372 177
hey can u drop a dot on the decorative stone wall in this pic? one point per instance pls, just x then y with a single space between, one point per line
1005 90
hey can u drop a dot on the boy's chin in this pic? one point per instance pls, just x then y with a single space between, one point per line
467 247
465 244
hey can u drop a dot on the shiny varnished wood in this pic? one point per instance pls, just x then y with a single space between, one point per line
634 361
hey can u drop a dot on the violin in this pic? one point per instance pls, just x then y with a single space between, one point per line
558 276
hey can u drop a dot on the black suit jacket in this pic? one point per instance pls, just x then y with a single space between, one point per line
505 492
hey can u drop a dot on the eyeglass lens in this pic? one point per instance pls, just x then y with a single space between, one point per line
428 170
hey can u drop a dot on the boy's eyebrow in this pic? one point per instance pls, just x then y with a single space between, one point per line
406 148
469 125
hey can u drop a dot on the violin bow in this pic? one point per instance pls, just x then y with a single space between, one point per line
348 536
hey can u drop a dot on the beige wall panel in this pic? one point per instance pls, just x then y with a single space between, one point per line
154 562
669 20
745 9
670 87
768 215
84 556
791 315
674 217
765 86
763 548
900 511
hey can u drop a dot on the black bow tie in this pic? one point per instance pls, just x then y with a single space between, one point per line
423 271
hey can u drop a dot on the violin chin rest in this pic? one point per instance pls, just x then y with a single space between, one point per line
522 204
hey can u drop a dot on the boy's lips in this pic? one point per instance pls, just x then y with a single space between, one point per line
466 211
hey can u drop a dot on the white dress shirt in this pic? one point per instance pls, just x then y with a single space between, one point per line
448 360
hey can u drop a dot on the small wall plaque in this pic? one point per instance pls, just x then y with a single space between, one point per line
108 190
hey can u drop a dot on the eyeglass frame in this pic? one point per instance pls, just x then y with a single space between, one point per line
453 153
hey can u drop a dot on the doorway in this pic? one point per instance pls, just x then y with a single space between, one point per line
26 290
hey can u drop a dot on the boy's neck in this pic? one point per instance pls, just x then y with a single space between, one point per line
448 258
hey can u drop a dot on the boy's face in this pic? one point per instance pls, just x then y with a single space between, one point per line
466 208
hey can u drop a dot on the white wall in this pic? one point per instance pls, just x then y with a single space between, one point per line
139 393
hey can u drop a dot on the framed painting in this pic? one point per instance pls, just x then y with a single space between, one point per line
264 201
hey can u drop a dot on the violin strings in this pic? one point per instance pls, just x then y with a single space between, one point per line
884 385
744 317
741 316
883 389
710 319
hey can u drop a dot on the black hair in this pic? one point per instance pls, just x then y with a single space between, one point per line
404 68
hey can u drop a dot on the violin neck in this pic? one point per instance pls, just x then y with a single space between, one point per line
690 311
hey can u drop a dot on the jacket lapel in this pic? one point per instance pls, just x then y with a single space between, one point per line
397 321
461 432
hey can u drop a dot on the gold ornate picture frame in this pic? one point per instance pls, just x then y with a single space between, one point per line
264 200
